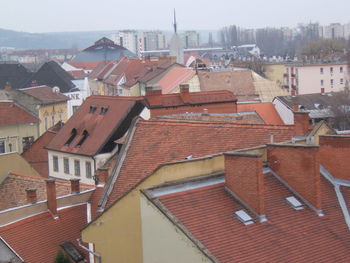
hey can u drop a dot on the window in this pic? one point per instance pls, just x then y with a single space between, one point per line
46 123
72 136
331 70
66 165
2 146
53 118
27 142
82 140
321 82
77 167
60 115
321 70
92 109
55 163
341 69
88 169
332 81
341 81
75 108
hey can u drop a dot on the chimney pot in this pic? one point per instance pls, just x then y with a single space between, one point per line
75 186
51 196
31 195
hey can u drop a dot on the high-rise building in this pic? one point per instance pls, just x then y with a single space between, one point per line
333 31
190 39
176 47
153 40
127 39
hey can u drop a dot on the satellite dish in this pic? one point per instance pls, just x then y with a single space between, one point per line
56 89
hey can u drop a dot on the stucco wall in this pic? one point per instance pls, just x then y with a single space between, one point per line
71 157
13 162
162 241
116 234
13 134
58 110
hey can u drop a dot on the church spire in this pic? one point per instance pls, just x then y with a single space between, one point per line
175 25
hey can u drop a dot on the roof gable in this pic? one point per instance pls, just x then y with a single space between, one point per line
11 113
45 94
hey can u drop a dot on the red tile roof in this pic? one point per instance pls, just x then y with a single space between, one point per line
11 113
45 94
77 74
13 189
265 109
84 65
202 97
37 155
172 79
288 235
37 238
155 142
240 82
101 128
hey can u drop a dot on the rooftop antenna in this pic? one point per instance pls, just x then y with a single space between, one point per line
175 25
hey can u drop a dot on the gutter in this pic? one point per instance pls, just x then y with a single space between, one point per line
99 260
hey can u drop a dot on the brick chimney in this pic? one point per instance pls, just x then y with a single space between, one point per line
299 167
244 179
51 196
102 176
301 123
334 155
8 86
75 186
31 195
185 93
154 95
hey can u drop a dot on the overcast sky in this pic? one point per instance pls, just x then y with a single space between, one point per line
86 15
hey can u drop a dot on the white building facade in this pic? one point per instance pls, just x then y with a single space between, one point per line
315 78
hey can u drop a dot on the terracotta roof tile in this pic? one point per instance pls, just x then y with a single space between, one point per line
37 155
265 109
100 128
287 236
202 97
77 74
155 142
11 113
172 79
84 65
45 94
240 82
13 189
37 238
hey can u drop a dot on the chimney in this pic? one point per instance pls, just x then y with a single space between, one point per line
75 186
31 195
185 93
51 196
298 168
102 176
301 123
154 95
244 180
8 86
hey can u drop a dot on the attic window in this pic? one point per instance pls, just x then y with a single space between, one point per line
82 140
92 109
104 110
244 217
294 203
72 136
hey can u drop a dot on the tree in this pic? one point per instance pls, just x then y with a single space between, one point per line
61 257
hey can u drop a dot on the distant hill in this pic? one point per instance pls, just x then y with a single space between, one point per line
24 40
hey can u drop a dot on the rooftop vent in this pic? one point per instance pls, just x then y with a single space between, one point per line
294 203
244 217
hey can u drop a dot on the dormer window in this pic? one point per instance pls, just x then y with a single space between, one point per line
92 109
104 110
82 140
72 136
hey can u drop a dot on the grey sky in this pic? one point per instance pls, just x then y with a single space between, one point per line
87 15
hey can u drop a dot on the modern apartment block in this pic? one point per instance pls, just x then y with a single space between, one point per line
315 78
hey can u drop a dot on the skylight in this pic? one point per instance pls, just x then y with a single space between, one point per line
294 203
244 217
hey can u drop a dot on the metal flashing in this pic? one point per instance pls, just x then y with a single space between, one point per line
318 212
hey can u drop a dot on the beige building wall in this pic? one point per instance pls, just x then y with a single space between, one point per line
163 241
13 135
50 114
14 162
193 84
274 72
116 234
